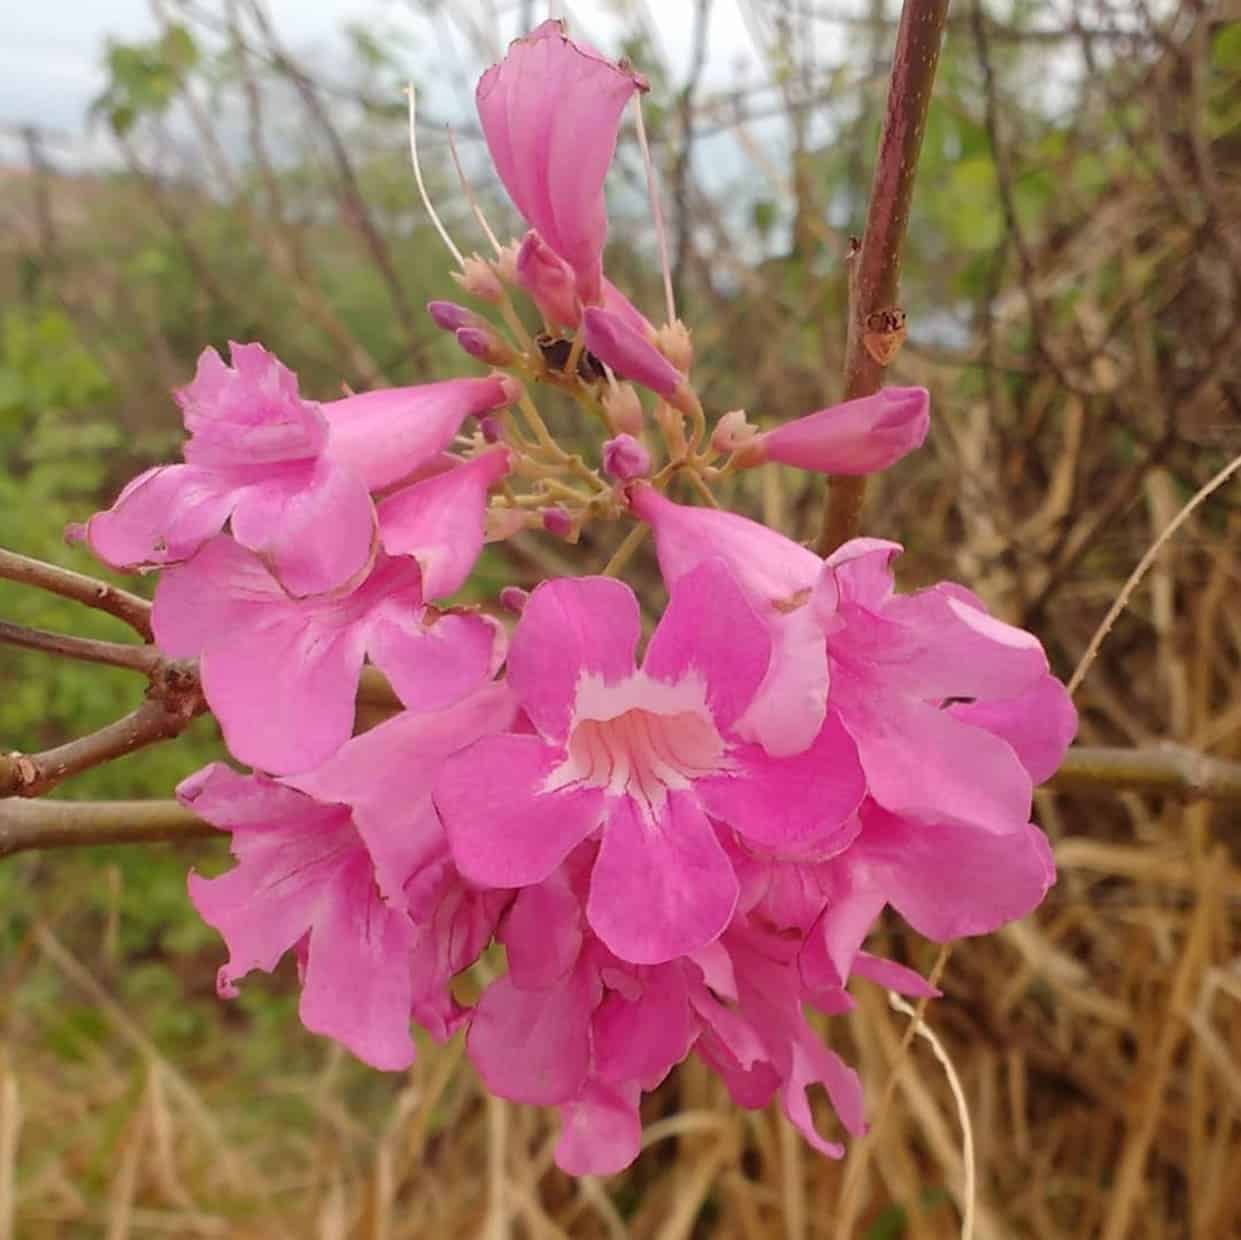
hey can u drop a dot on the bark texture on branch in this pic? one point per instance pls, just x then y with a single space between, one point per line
875 276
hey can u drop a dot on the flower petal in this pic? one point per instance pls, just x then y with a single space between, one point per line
440 521
601 1131
587 626
356 986
504 828
786 802
709 629
433 666
162 517
550 113
925 763
316 528
1039 725
533 1045
688 888
387 435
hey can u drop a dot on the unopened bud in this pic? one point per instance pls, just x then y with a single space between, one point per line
625 458
514 598
512 388
673 341
557 521
478 278
450 317
490 428
624 409
505 265
732 432
484 344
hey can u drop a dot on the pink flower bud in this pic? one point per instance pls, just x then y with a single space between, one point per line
490 429
624 409
625 458
478 278
513 598
450 317
557 521
614 341
549 280
484 344
859 437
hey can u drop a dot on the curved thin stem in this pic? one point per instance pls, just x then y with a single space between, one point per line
25 570
143 659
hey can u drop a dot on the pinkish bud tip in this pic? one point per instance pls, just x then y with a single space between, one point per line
513 598
450 317
557 521
490 429
478 278
625 458
483 344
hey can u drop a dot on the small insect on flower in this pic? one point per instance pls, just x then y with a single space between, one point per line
556 351
885 333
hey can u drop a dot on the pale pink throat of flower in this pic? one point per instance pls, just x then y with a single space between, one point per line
640 738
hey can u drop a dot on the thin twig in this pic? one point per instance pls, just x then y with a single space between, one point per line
1171 769
875 276
27 825
88 649
173 701
23 569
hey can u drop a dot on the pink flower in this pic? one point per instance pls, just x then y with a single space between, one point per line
573 1026
291 475
898 666
281 674
755 1033
901 662
645 755
858 437
947 880
348 865
304 881
550 112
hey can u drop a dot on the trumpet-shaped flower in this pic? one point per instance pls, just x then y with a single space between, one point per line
860 436
641 757
291 475
916 679
550 112
281 674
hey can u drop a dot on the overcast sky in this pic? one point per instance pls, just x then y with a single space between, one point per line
51 51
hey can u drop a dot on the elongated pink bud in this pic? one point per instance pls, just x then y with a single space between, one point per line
549 280
631 356
861 436
484 344
450 317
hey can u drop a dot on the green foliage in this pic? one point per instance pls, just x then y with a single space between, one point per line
144 78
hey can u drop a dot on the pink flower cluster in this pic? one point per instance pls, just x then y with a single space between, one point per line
680 844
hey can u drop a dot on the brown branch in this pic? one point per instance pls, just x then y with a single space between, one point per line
26 825
1172 769
134 611
875 276
88 649
172 702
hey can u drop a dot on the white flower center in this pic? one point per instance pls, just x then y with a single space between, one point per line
641 739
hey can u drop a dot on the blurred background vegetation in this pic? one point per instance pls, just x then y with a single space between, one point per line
1072 281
